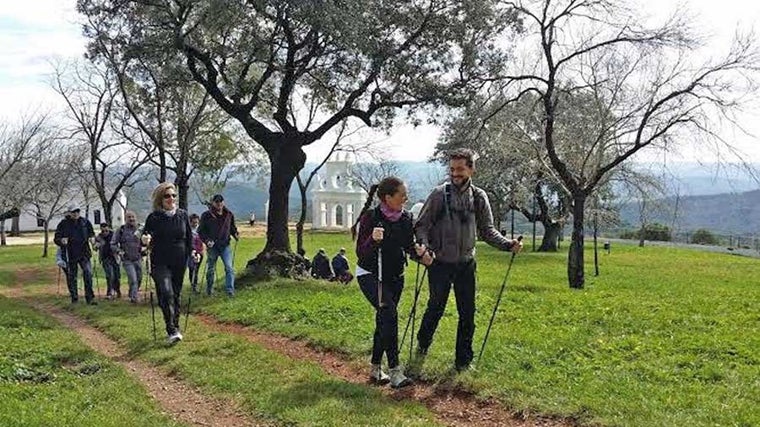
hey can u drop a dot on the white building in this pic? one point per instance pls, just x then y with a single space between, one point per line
92 210
336 201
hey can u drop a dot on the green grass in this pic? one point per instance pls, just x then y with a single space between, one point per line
662 337
48 377
268 385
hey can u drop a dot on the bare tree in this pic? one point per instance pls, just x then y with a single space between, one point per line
57 172
20 143
89 92
649 89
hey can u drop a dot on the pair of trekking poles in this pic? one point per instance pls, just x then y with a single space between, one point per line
189 295
418 288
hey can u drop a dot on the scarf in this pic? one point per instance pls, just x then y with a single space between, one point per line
389 213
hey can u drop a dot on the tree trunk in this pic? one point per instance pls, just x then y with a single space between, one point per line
45 241
183 187
575 274
301 219
182 179
2 234
551 236
15 227
642 235
287 159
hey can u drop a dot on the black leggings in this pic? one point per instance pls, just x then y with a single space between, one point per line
168 289
386 317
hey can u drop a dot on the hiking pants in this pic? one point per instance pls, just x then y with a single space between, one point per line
386 317
86 276
168 289
441 276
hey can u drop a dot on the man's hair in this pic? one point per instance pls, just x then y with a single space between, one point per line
194 216
463 154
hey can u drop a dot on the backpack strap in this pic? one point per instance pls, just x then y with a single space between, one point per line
446 209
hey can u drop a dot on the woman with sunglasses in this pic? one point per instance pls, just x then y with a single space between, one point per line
169 237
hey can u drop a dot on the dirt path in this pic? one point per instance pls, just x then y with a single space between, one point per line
179 400
451 406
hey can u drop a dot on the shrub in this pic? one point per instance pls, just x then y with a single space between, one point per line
704 237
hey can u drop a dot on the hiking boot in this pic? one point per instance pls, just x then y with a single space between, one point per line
174 338
398 379
377 375
92 302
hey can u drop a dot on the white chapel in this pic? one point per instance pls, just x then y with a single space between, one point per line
336 200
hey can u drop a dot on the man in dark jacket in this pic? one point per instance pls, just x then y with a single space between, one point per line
108 260
340 267
453 216
216 227
320 267
74 235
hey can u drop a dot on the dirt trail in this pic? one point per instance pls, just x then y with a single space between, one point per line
180 401
451 406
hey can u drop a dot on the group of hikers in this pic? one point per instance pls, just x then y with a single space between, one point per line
170 242
442 239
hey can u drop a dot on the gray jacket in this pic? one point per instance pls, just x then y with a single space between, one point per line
450 231
127 240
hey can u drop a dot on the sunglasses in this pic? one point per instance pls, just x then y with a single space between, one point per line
170 196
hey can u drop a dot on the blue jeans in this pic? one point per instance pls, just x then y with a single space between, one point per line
134 277
111 270
86 275
215 252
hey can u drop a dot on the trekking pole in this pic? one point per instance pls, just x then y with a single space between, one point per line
414 314
97 283
379 277
153 316
59 281
94 270
417 288
498 300
234 251
187 313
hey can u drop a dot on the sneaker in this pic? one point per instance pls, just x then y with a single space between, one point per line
133 300
398 379
174 338
377 375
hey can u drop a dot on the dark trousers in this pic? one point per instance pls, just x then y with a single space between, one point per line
71 279
193 270
386 317
111 270
441 276
168 289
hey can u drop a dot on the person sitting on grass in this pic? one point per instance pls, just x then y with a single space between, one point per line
320 266
340 267
385 237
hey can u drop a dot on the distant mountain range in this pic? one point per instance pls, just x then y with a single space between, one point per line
712 198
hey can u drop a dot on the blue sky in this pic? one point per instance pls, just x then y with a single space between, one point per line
34 32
